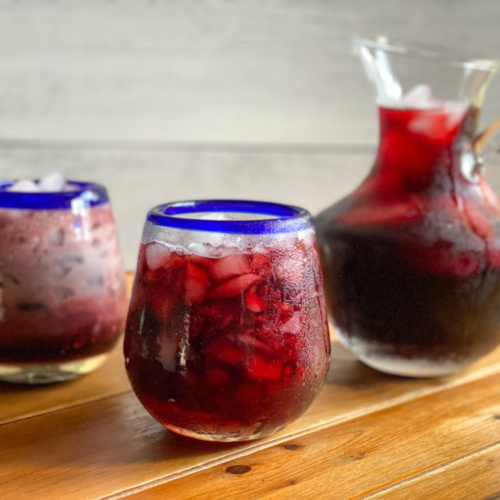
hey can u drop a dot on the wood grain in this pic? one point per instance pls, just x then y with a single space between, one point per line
21 401
472 476
356 458
104 446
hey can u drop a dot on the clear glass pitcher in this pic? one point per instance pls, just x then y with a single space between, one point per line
412 257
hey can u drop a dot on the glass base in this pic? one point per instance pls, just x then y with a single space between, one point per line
48 373
226 436
371 354
416 367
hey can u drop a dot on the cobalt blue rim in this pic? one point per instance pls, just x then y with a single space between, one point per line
286 218
89 193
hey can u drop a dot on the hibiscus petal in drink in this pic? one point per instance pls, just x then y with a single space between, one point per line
196 284
232 265
261 368
235 286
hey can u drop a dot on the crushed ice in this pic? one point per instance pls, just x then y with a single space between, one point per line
218 216
421 97
52 183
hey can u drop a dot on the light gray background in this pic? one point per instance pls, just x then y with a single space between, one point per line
173 99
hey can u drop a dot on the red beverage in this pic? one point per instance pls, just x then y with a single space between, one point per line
412 257
63 298
232 347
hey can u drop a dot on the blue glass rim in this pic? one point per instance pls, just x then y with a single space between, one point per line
92 194
285 218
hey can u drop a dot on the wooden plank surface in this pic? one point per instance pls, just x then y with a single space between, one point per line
19 401
475 475
378 451
110 445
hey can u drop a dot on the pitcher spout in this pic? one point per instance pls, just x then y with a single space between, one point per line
398 67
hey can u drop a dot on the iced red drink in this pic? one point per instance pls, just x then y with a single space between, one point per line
227 339
412 257
63 297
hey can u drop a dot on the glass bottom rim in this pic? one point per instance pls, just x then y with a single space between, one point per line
50 372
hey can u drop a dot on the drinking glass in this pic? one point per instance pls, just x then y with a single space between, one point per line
227 335
62 283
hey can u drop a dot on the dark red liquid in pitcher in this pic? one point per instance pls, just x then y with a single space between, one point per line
412 257
227 348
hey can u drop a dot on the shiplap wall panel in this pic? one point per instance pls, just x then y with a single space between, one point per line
252 71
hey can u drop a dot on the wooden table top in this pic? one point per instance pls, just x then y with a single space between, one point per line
367 435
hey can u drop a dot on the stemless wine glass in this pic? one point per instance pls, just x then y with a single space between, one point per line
227 334
62 283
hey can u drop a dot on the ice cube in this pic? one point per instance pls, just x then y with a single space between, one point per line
211 244
53 182
24 186
157 255
217 216
420 97
233 216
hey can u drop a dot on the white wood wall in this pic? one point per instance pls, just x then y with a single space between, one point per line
174 99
